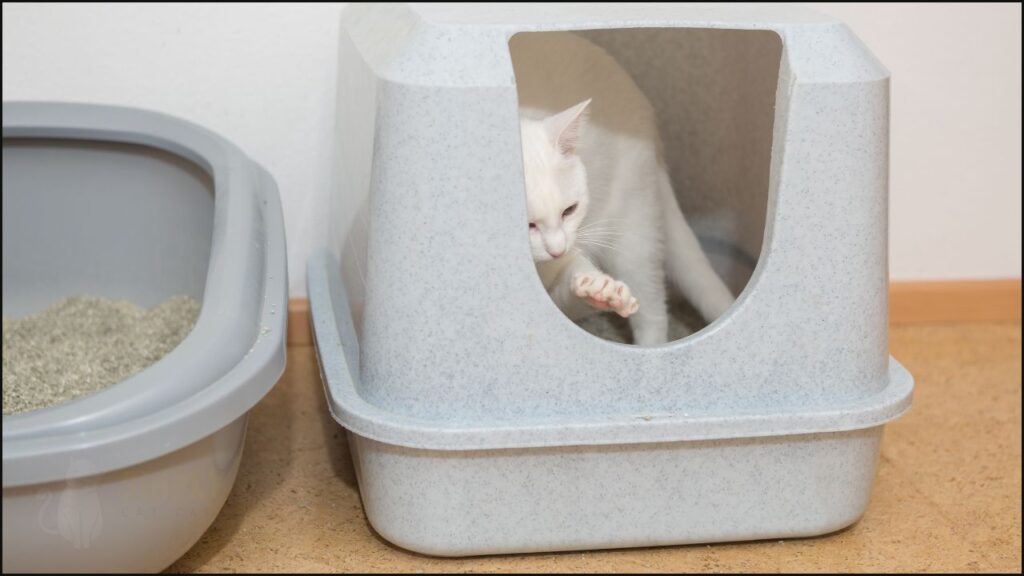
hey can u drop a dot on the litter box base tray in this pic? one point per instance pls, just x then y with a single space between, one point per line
449 503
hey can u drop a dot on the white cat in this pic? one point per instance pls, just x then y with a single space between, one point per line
604 228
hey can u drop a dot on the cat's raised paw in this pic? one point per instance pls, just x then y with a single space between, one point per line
603 292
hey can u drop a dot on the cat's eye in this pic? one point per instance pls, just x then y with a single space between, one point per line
533 226
568 211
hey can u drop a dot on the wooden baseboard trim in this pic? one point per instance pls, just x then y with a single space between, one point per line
298 322
909 303
954 301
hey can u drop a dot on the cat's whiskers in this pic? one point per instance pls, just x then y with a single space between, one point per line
612 235
605 235
599 228
600 244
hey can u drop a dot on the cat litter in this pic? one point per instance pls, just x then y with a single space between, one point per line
178 241
84 344
481 420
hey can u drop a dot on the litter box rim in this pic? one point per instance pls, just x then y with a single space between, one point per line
337 350
33 453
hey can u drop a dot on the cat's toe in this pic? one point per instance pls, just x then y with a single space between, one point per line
628 308
580 284
620 294
605 289
591 286
622 300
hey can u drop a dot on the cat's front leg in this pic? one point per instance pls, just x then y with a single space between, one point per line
580 288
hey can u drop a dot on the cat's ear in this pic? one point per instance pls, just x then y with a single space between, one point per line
564 127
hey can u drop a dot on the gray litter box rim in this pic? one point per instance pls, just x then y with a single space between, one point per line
31 453
337 352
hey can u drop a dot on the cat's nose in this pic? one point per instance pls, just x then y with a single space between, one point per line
555 243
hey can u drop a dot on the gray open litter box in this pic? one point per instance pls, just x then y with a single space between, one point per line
482 420
124 203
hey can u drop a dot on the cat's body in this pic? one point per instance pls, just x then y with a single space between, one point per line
598 190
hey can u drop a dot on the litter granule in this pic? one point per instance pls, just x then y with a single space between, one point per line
83 344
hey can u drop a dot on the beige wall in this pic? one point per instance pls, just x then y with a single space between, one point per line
955 208
263 76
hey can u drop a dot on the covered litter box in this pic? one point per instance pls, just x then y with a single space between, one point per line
481 419
124 203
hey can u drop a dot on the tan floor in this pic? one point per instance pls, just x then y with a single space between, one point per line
947 496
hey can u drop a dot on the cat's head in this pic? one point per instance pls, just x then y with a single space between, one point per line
556 182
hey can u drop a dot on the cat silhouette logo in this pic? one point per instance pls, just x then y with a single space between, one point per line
79 513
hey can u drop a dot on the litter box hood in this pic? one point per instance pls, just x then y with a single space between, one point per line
428 218
126 203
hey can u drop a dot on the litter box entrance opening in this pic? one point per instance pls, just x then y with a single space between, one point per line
95 218
713 93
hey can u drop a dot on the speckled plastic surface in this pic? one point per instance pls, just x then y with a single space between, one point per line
125 203
483 420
